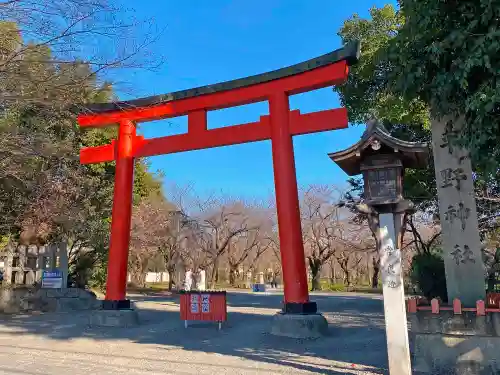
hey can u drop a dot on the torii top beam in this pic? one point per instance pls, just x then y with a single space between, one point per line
326 70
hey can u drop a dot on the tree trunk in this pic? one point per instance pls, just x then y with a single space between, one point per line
347 277
171 278
232 275
376 271
315 267
214 275
139 279
344 266
333 276
316 281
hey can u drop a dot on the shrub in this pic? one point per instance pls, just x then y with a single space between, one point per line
98 278
427 273
334 287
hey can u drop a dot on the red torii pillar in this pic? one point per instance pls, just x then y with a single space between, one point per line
287 204
121 217
280 126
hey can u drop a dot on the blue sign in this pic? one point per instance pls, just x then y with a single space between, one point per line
256 288
52 279
54 274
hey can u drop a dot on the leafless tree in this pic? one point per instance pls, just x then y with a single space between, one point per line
366 217
425 233
151 234
82 38
253 244
221 224
325 228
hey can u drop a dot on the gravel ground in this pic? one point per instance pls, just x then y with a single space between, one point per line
63 343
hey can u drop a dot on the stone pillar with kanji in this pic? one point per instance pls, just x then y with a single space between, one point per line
465 278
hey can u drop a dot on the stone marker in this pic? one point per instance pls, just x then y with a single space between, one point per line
457 207
394 296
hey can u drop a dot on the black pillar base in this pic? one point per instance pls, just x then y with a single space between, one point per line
116 305
300 308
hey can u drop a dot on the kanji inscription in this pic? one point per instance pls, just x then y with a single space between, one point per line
462 255
447 138
460 213
457 208
452 177
495 282
392 267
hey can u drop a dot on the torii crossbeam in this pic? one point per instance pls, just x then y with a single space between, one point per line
280 126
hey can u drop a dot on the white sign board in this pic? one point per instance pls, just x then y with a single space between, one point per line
52 279
205 303
195 305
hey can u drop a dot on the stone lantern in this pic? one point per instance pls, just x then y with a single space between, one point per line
382 160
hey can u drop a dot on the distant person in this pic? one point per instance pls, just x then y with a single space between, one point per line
274 281
202 279
188 283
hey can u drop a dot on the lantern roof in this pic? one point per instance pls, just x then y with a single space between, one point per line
377 140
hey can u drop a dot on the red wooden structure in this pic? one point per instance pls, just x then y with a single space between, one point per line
493 300
414 305
280 126
203 306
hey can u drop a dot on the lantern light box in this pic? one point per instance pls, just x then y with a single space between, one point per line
381 159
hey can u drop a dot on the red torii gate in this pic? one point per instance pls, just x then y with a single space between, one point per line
279 126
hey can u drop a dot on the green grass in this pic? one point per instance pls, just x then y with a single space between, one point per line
333 287
326 285
150 287
157 286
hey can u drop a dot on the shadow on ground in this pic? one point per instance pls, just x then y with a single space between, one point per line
356 336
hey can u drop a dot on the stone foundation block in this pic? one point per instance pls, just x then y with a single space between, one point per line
114 318
298 326
456 354
15 300
458 344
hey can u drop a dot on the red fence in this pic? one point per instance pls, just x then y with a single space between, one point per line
492 305
493 300
203 306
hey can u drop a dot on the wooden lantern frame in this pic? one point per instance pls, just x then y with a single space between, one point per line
372 168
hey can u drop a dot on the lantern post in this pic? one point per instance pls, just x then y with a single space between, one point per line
382 160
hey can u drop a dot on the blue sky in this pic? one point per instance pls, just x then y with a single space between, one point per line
207 42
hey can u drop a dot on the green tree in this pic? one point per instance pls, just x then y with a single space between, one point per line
446 54
45 194
431 55
366 94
